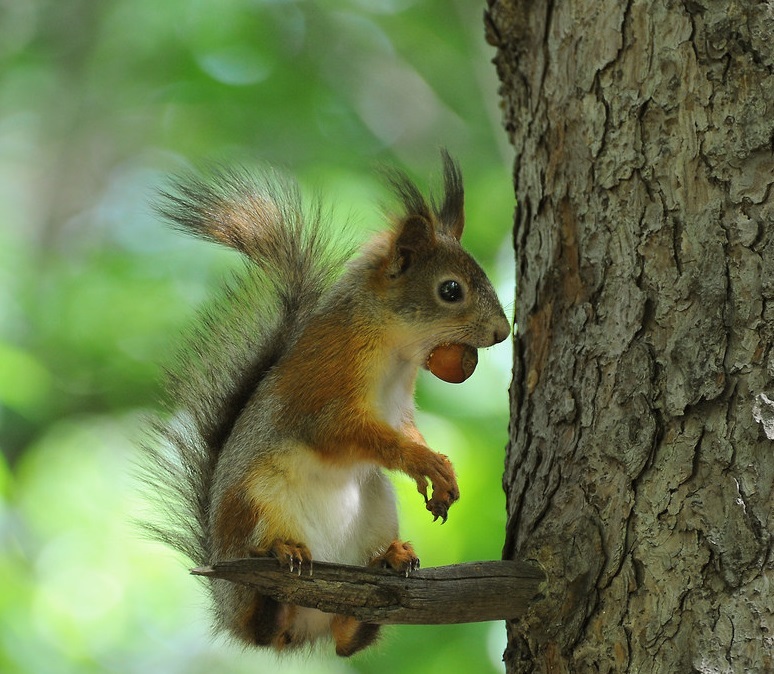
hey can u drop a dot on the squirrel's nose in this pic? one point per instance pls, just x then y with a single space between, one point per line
501 331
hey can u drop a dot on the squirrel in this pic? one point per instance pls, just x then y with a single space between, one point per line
296 391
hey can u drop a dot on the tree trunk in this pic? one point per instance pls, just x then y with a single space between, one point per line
640 468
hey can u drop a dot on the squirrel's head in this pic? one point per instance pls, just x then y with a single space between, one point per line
428 281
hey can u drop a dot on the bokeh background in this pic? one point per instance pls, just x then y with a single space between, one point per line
100 100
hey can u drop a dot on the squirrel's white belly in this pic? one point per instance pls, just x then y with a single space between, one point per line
344 515
329 514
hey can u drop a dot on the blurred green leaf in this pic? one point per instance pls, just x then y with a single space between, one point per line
24 381
99 101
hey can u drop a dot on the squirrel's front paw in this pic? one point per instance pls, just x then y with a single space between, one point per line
399 557
439 505
445 489
296 556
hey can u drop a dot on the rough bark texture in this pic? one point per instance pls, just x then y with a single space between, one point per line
640 469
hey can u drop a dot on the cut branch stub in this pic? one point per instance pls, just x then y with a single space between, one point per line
471 592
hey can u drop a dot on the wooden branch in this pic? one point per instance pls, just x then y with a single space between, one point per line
472 592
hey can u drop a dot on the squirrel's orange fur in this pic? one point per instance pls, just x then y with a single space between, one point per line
291 400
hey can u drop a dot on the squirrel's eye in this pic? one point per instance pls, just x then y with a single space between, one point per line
450 291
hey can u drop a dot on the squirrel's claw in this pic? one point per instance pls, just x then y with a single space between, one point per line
439 505
295 556
439 510
399 556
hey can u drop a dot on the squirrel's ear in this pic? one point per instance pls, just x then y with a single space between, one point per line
455 227
414 235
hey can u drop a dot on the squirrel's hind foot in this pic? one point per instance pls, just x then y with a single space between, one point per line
296 556
399 556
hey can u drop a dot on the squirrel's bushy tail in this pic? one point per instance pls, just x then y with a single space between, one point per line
292 261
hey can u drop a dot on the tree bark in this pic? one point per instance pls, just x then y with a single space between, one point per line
640 468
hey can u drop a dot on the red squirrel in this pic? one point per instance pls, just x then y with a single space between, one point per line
296 391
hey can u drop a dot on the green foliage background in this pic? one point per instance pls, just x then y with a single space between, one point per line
99 101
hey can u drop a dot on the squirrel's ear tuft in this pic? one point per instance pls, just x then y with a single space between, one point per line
452 211
412 200
414 236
